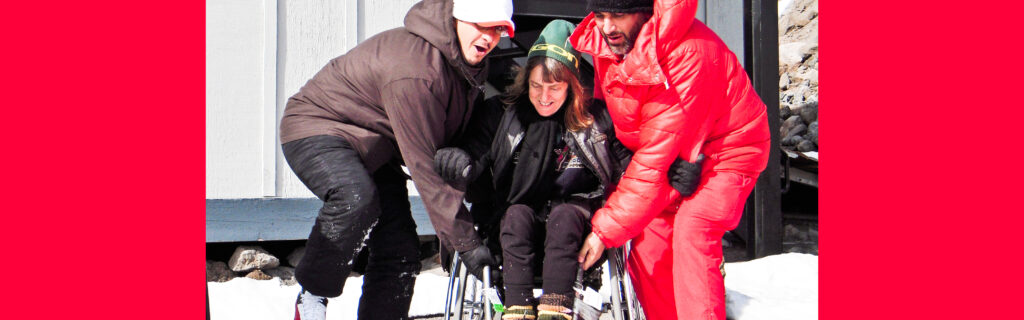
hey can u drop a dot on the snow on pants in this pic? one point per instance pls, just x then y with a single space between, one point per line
674 262
359 209
521 233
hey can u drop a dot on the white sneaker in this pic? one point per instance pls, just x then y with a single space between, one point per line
309 306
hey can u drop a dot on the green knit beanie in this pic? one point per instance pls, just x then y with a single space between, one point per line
554 43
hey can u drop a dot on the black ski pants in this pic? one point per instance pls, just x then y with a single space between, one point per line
360 209
522 231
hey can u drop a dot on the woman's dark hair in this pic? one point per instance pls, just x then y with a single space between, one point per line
576 102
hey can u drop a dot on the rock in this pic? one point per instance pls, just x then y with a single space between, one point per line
812 132
786 98
792 141
813 233
791 54
809 112
296 256
810 76
217 271
809 9
430 262
798 97
800 92
791 231
258 275
799 20
798 54
785 111
247 258
806 146
791 122
286 274
797 130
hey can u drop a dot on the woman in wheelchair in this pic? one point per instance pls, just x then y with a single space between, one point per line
550 157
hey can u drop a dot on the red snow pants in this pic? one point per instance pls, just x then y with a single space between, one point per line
674 262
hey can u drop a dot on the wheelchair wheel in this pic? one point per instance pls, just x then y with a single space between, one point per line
466 298
624 304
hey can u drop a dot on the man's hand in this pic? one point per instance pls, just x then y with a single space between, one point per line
685 176
475 260
453 165
592 249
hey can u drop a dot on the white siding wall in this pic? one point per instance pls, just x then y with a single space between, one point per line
258 54
237 69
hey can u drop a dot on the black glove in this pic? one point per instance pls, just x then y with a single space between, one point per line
685 176
454 166
476 259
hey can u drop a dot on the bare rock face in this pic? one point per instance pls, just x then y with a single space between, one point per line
217 271
798 75
248 258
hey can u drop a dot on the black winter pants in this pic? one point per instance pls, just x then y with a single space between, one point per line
521 234
359 210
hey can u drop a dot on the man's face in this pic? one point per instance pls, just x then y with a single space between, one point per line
476 41
619 30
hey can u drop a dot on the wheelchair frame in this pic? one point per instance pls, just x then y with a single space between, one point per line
623 303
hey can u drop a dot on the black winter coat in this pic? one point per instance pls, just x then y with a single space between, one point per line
496 132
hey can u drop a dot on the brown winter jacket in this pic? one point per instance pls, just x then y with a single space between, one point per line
398 97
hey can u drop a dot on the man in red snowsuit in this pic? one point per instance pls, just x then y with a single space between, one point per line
673 89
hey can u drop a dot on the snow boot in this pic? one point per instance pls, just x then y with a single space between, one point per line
309 306
519 313
554 306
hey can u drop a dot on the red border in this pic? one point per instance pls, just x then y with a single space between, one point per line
920 158
103 157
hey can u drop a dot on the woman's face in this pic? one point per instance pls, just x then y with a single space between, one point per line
547 97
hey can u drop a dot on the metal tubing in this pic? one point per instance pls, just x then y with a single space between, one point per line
460 298
452 279
486 285
614 280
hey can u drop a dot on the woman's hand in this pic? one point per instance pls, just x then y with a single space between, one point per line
592 249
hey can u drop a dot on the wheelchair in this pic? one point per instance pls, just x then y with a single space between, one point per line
467 297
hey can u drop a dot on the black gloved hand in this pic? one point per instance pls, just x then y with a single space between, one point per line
475 260
685 176
453 165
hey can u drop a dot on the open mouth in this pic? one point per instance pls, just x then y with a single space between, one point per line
480 49
615 38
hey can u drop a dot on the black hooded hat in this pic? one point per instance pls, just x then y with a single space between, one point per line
624 6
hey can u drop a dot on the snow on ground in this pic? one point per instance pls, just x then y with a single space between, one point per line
782 286
774 287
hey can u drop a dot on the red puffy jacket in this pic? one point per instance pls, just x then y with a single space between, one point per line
680 92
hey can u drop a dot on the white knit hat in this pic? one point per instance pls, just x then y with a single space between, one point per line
487 13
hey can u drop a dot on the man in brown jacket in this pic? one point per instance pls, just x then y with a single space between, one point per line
394 99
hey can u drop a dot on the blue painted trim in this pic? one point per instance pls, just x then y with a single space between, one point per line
270 219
